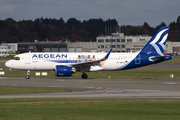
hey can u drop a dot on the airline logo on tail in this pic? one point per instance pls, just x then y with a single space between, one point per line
159 41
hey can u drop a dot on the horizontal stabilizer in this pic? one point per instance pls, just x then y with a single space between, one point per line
160 58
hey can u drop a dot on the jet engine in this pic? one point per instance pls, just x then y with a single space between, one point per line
62 70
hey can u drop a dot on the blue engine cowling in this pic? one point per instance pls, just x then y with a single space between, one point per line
62 70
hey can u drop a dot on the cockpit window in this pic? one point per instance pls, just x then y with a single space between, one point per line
16 58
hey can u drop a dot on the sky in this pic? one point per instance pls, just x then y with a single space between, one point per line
126 12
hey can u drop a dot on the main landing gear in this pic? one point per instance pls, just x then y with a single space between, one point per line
28 74
84 76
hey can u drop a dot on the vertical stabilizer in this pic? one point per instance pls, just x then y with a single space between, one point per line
152 52
156 44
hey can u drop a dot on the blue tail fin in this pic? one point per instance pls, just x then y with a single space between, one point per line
152 52
156 44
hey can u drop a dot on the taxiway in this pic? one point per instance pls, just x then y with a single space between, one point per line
96 88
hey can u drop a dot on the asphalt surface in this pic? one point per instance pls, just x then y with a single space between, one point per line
100 88
96 88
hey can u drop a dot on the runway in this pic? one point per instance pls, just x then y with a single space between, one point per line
96 88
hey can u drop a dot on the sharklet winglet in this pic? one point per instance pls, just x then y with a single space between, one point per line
107 55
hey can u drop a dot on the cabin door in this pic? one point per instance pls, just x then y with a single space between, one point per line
27 59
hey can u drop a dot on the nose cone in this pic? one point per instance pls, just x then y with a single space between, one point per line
8 64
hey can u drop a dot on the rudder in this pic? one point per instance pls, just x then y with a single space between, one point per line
157 43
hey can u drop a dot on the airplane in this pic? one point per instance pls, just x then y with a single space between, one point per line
65 64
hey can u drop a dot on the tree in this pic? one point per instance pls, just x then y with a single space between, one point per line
53 38
74 30
7 38
76 38
178 21
14 39
73 22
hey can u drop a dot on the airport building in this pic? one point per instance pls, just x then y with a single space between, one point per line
118 42
8 48
42 47
82 47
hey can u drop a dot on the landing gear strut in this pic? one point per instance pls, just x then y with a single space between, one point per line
84 76
28 74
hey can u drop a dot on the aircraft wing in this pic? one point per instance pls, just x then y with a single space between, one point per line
88 64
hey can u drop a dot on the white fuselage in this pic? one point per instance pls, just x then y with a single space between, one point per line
48 60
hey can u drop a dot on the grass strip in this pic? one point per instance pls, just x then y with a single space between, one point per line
26 90
89 109
150 73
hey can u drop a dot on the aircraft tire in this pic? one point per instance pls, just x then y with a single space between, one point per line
27 76
84 76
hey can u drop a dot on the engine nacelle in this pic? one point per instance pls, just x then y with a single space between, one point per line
62 70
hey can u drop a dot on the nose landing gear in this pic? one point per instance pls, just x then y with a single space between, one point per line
28 74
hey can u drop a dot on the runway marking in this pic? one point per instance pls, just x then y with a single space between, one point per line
170 83
60 80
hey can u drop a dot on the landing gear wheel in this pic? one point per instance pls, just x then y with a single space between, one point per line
84 76
27 76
